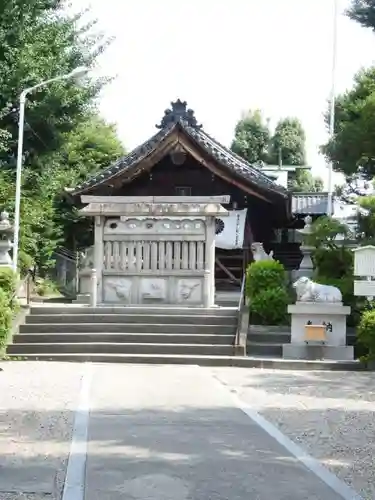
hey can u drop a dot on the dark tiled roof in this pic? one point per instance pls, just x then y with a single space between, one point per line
184 118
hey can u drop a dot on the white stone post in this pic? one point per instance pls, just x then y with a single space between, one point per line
94 289
99 255
209 279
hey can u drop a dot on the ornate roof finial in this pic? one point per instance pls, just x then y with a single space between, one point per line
179 113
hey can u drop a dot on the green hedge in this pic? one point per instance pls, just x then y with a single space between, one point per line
8 304
267 293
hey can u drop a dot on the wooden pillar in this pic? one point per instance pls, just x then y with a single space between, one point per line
99 255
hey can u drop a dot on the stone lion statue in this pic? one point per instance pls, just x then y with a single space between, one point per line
309 291
86 259
259 253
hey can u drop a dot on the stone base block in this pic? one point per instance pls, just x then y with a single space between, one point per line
308 351
83 298
315 313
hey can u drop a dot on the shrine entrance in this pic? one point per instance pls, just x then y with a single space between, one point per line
155 250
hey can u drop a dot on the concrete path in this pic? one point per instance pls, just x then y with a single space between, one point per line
171 433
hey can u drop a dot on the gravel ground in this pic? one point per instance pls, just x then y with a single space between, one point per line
330 414
37 405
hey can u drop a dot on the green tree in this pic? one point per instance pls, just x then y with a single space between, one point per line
92 146
366 219
305 182
288 143
40 40
251 137
288 147
363 11
352 149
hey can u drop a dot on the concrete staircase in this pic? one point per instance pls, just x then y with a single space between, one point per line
126 334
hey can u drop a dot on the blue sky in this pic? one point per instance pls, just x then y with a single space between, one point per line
224 57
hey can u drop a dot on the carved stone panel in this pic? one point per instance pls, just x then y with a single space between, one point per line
117 290
189 291
154 225
153 290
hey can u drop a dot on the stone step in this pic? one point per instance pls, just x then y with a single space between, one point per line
261 329
226 303
268 337
239 361
223 329
104 348
132 318
263 349
141 338
170 311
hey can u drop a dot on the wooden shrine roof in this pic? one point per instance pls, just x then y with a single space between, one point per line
183 119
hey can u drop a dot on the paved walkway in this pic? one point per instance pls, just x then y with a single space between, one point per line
165 433
171 433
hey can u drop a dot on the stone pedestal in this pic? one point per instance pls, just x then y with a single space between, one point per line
318 313
84 286
306 267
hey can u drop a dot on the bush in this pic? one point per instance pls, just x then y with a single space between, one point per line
267 292
269 307
8 281
25 262
263 275
333 262
8 284
5 318
45 287
366 333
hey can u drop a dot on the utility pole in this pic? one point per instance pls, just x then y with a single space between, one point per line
332 103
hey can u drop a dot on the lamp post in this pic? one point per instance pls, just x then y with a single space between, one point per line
332 103
76 73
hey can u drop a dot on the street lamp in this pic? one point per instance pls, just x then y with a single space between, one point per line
76 73
332 103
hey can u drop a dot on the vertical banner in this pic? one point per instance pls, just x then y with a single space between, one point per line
230 230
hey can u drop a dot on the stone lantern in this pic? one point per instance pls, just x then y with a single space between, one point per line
6 232
306 267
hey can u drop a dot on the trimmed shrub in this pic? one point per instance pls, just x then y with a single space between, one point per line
366 333
269 307
264 274
267 292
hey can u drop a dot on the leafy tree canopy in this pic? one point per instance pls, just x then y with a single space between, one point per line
64 138
251 137
305 182
255 143
288 143
352 150
363 11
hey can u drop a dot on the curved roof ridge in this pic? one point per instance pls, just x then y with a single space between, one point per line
136 154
